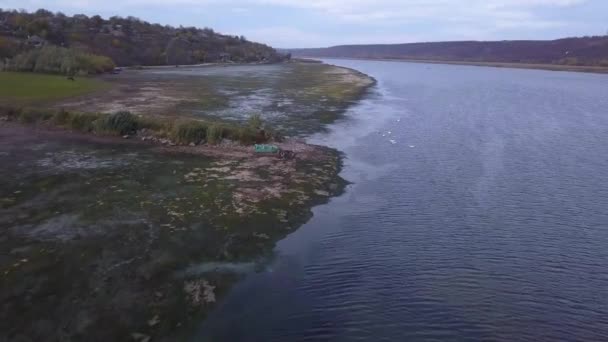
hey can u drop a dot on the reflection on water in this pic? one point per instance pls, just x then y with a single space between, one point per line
478 212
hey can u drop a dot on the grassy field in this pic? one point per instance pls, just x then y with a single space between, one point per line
25 88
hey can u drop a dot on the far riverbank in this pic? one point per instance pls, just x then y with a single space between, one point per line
548 67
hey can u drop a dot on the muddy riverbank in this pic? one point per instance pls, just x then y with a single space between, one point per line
296 98
105 238
96 231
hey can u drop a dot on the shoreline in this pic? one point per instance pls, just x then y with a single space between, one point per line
198 65
258 200
546 67
135 215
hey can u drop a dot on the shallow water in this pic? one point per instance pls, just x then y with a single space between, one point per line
478 212
295 98
62 188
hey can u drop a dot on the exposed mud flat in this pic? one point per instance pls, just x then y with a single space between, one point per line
105 238
297 98
98 233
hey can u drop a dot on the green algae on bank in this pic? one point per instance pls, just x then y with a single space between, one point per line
98 232
296 98
113 239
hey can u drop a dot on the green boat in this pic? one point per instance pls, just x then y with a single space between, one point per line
262 148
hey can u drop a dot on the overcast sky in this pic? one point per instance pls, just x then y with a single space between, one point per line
319 23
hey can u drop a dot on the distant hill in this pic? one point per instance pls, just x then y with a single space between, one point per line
588 51
127 41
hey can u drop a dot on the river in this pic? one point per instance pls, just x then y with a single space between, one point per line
478 211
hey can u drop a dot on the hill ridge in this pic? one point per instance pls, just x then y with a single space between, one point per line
584 51
126 40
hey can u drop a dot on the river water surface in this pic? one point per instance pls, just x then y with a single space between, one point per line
478 211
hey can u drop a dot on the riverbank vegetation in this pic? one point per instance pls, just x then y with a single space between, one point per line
298 98
126 41
57 60
153 234
156 228
168 130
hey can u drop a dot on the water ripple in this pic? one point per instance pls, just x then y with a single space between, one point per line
492 227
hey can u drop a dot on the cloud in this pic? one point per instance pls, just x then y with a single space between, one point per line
284 36
350 11
329 6
292 23
340 9
289 37
240 10
415 7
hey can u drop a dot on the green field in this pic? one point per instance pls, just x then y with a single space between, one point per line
24 88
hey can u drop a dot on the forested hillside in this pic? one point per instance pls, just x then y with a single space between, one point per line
589 51
127 41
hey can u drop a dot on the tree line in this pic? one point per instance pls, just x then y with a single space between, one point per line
58 60
126 41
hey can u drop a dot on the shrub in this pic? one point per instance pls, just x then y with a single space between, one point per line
189 132
93 64
27 116
255 121
7 48
247 136
122 123
59 60
84 122
155 124
30 116
119 123
569 61
214 134
10 112
231 132
274 135
60 117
